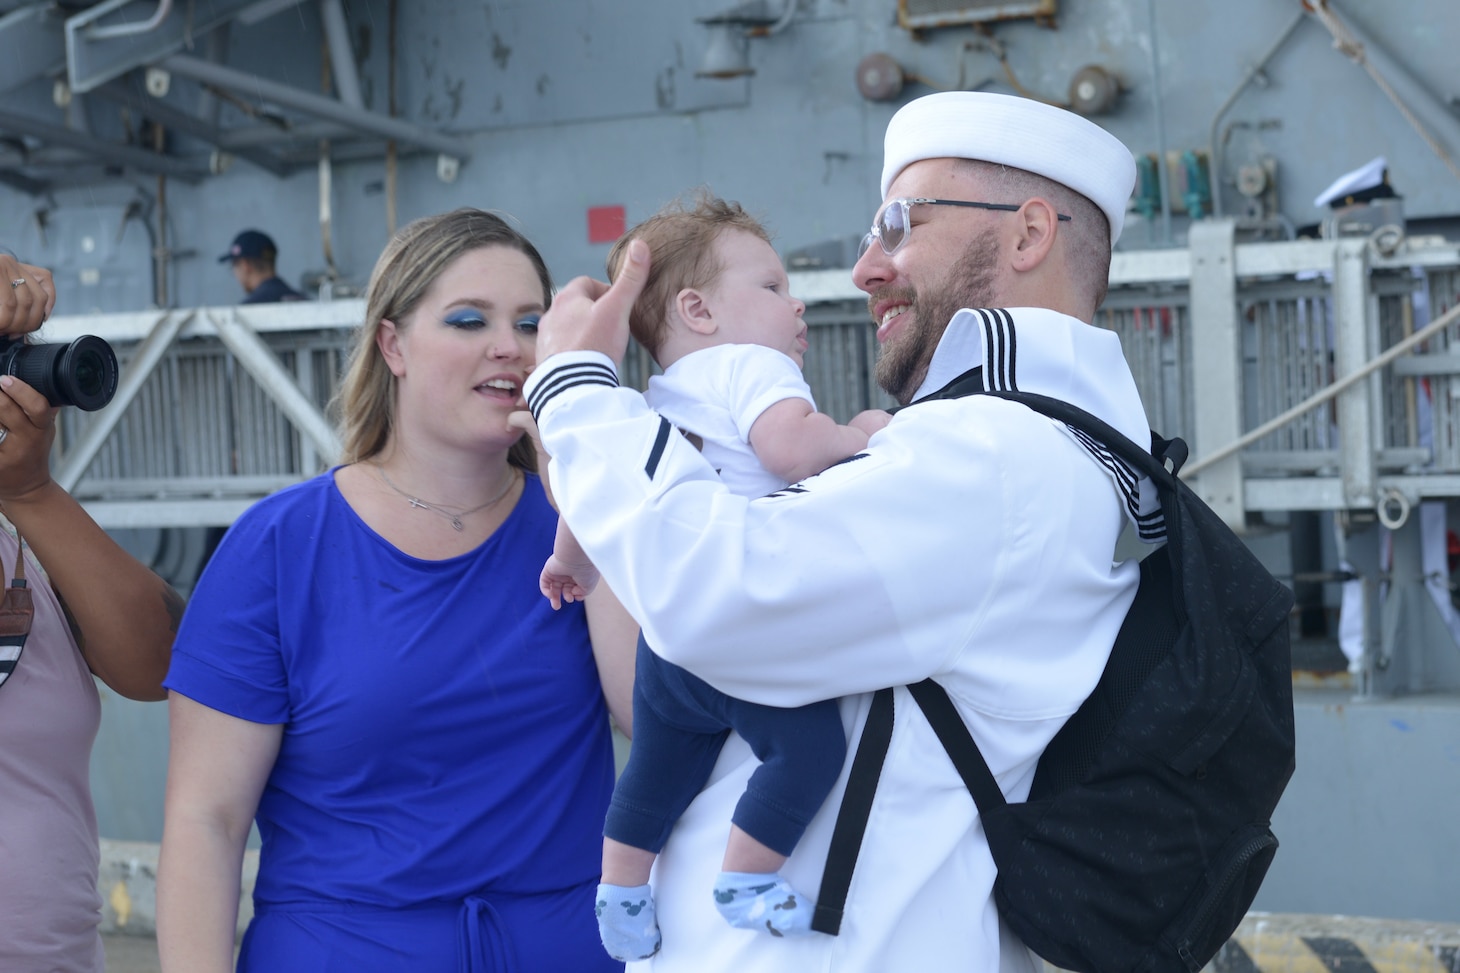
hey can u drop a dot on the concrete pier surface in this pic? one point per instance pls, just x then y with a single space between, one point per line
130 954
1264 943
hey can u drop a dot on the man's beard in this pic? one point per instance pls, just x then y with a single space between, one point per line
903 362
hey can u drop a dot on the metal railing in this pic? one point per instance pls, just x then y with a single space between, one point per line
220 406
217 407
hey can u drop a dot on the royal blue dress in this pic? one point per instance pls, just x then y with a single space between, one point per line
439 794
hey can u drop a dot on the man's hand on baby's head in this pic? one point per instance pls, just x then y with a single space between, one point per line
589 315
871 420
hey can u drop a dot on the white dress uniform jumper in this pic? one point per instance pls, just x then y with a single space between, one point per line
972 541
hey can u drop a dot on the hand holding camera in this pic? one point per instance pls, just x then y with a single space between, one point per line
27 295
27 429
82 373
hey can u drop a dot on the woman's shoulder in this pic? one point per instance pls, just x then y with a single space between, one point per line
302 500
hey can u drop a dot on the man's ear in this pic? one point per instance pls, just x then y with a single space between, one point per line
387 339
1038 225
694 310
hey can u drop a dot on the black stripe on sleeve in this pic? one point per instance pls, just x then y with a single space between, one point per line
569 376
1150 526
657 453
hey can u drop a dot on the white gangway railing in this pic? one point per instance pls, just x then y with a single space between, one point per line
218 406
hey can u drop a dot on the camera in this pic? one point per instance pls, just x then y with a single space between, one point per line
82 373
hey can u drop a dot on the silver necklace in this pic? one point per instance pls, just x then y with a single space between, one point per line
436 508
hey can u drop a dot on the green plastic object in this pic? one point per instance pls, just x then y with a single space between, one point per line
1198 194
1148 186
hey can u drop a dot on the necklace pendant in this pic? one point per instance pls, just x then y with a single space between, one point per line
419 504
456 524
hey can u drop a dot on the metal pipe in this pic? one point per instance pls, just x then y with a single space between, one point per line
391 153
35 45
264 9
125 155
1328 392
1214 149
787 16
123 93
100 32
307 157
330 109
261 135
326 211
1163 175
342 55
24 184
216 49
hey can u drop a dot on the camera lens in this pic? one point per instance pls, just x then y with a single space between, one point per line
89 373
86 374
82 373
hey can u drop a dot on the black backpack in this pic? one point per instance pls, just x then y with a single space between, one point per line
1146 832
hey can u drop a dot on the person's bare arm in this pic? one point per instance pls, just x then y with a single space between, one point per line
569 574
794 441
216 771
123 615
615 637
870 421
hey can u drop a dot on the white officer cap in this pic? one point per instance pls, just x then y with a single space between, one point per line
1368 176
1018 132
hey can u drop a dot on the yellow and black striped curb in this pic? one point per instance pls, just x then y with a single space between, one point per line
1285 943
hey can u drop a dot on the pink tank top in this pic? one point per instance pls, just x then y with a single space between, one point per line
49 713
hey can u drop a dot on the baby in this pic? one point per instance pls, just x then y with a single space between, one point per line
719 319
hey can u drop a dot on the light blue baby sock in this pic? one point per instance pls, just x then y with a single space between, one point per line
764 902
626 921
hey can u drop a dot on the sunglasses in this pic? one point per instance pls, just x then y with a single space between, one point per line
893 224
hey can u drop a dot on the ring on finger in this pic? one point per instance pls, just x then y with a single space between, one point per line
17 282
4 434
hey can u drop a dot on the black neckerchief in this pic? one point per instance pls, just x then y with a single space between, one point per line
969 383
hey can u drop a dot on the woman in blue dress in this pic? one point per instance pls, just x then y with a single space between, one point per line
368 668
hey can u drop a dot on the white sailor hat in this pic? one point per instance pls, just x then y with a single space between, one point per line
1017 132
1368 181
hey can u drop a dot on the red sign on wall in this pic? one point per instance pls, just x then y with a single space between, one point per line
605 223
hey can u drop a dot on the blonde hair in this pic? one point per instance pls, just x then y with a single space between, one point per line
364 404
681 239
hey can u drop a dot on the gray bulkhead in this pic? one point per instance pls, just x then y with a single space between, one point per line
561 112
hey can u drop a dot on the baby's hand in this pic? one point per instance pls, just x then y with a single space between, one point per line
565 583
871 420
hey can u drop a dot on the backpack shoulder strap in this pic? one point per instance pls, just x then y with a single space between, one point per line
1141 458
856 807
851 819
953 734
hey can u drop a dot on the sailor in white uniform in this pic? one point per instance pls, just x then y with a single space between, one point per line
973 540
